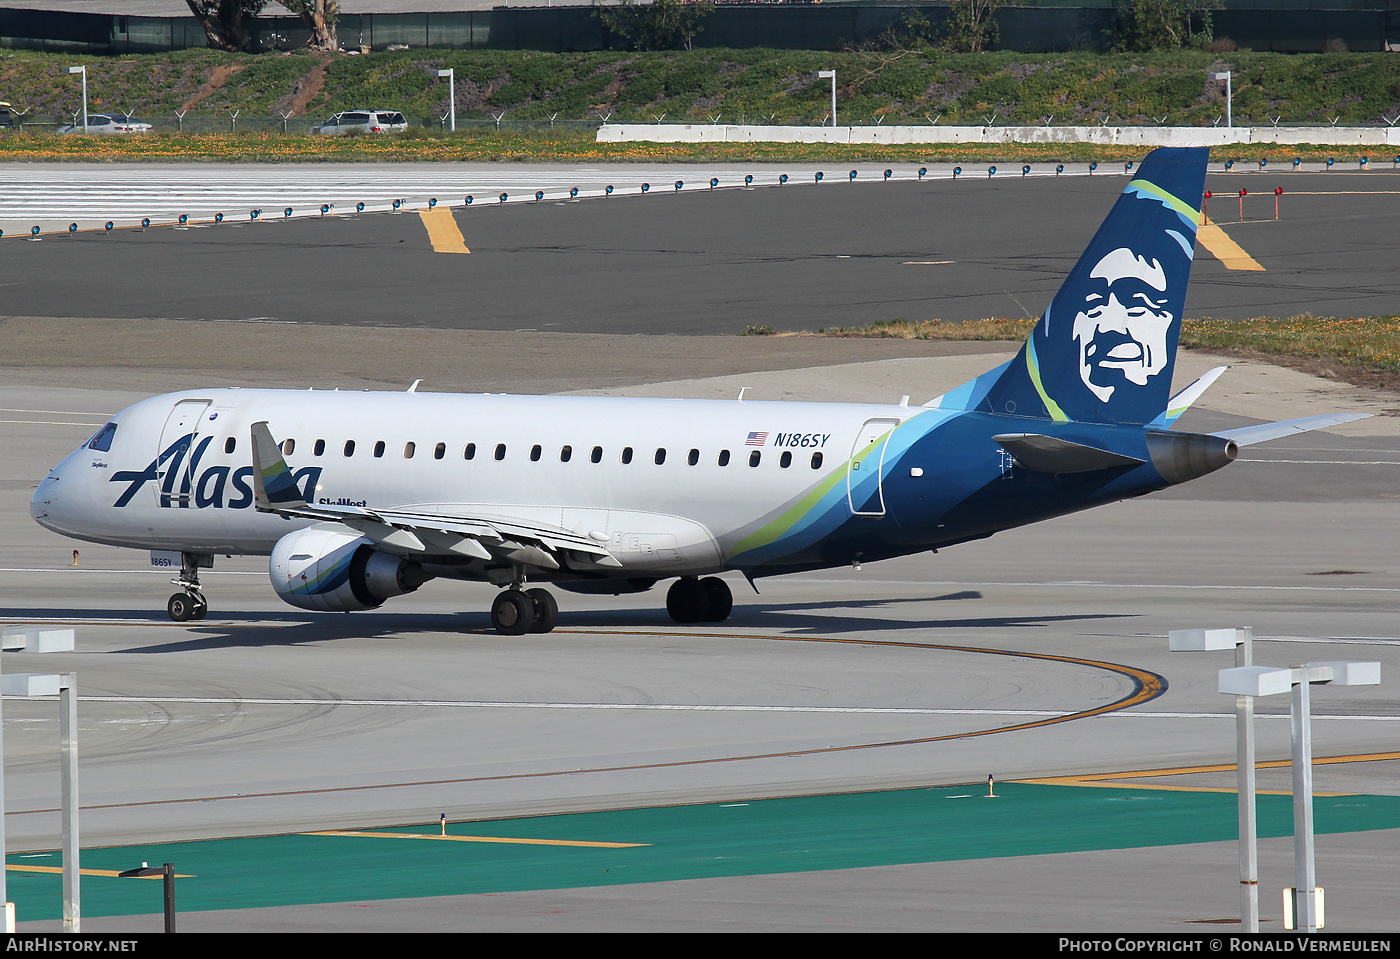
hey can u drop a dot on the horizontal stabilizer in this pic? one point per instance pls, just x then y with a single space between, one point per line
1182 401
1249 435
1050 454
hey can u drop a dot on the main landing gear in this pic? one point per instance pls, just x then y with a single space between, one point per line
707 600
516 611
191 603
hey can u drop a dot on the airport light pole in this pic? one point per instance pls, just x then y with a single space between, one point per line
1306 903
451 96
1242 642
830 74
83 71
1229 94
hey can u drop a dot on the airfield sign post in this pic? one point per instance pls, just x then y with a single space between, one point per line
1228 77
40 640
1267 681
830 75
83 71
451 96
1242 642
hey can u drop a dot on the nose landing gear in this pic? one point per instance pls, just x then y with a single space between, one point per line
189 604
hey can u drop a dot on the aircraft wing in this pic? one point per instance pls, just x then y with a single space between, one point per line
410 532
1249 435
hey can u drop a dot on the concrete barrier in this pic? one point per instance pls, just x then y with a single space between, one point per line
1103 135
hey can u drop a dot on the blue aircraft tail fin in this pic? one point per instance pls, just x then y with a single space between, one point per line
1104 350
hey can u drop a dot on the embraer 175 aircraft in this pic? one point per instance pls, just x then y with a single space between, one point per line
360 497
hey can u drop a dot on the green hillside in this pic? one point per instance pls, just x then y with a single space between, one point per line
753 85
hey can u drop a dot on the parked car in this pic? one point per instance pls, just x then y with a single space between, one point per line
108 123
7 119
364 121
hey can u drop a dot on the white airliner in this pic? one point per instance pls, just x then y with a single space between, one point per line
360 497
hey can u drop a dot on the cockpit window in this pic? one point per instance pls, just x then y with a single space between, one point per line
102 442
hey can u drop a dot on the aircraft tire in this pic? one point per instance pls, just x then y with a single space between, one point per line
201 608
686 601
512 612
180 607
719 600
546 610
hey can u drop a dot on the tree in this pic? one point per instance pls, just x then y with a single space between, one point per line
972 25
222 20
1164 24
658 25
320 17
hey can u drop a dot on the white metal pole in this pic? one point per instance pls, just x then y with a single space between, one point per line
833 99
1305 869
1245 779
452 95
68 738
1229 98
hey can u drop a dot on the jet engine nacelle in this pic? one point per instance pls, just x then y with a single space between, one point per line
333 569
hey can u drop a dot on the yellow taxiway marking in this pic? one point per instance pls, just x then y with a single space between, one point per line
1224 249
442 231
111 873
1107 779
505 839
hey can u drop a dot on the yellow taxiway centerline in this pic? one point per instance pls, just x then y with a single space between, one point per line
1112 779
110 873
1224 249
442 230
504 839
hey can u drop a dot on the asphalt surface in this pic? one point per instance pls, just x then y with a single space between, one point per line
797 257
262 719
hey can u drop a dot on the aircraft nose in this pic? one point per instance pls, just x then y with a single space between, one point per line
44 501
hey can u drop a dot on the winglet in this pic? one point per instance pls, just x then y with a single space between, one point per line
273 485
1182 401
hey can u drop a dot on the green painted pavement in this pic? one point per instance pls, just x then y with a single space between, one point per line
684 842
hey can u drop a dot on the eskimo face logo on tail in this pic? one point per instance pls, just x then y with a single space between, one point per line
1121 327
180 487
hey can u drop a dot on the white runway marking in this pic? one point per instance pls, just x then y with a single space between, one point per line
679 707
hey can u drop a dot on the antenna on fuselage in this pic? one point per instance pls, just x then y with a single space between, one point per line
741 393
414 387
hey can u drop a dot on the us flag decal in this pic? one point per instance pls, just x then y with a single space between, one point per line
756 439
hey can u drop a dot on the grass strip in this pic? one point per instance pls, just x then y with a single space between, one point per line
579 146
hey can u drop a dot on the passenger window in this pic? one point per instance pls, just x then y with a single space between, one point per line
754 457
660 457
693 458
470 452
535 452
288 445
500 451
409 449
229 444
723 458
316 450
816 461
785 460
566 454
439 451
102 440
349 447
597 456
626 455
379 449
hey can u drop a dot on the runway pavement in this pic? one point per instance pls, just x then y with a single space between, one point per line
262 719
